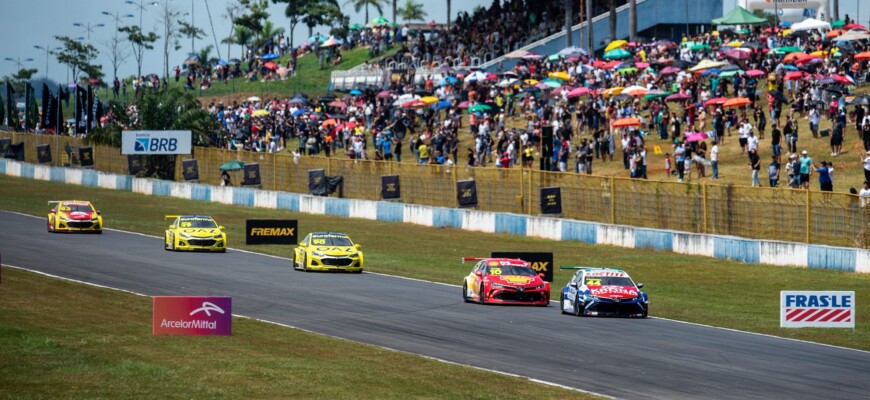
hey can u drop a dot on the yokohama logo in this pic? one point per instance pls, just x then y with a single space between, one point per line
818 309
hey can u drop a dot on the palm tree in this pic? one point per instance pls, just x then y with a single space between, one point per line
569 19
242 36
448 12
360 4
591 40
413 11
612 19
269 31
632 20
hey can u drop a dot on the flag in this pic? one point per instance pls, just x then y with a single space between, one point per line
11 108
2 112
81 110
96 111
60 123
45 118
31 112
90 109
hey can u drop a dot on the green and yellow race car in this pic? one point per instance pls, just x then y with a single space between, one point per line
74 216
328 251
194 233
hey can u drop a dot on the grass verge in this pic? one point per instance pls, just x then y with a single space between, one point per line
690 288
54 345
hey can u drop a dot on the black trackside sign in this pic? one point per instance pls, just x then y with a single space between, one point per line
542 263
271 231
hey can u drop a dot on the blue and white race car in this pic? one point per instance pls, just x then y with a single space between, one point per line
603 292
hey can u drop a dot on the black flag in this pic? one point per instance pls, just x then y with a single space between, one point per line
91 107
2 113
45 119
60 123
81 110
11 108
31 112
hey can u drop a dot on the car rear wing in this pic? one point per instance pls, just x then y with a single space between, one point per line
170 216
50 202
573 267
464 259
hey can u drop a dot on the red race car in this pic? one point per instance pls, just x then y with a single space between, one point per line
504 281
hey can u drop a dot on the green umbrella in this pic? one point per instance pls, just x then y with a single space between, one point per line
617 54
654 94
743 31
232 166
356 26
786 50
728 74
699 47
552 82
627 70
553 57
479 107
393 24
380 21
838 24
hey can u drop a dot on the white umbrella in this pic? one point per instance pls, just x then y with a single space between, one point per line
852 35
475 76
507 82
516 54
253 99
572 51
810 24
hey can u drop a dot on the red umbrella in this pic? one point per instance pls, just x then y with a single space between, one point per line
612 64
716 101
842 79
794 75
431 23
337 104
642 65
855 26
670 70
625 122
754 73
805 59
384 94
271 65
738 54
415 104
737 102
463 105
580 91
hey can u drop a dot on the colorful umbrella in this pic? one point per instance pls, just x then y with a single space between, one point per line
269 56
616 54
354 27
479 107
754 73
616 44
232 166
677 97
715 101
626 122
737 102
380 21
260 113
414 104
581 91
330 42
553 83
429 99
270 65
696 137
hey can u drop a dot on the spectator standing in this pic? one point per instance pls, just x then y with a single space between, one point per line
775 141
680 156
714 159
837 138
814 122
864 195
755 165
826 179
773 171
668 165
744 131
805 169
865 132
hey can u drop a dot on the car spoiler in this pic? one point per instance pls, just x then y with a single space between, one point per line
573 267
50 202
170 216
464 259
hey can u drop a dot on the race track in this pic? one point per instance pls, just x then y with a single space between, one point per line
633 359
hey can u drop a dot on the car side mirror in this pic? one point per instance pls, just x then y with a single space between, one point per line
221 227
358 246
478 273
573 284
639 285
99 213
53 210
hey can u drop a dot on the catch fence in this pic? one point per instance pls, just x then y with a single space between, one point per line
760 213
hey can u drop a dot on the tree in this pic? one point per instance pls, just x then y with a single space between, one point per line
296 11
190 31
413 11
170 33
269 32
253 19
140 42
243 37
322 12
233 9
632 20
117 52
17 81
365 4
204 56
78 57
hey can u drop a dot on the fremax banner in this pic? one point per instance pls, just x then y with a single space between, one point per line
156 142
192 315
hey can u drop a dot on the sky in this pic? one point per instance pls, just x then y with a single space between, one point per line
36 22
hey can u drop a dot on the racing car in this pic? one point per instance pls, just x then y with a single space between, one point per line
504 281
74 216
328 251
194 233
603 292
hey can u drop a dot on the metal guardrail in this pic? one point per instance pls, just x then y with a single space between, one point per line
760 213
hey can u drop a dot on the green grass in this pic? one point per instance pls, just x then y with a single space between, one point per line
55 346
690 288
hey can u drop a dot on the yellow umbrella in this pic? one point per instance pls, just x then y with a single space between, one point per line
613 91
559 75
429 99
616 44
531 82
735 43
820 53
260 113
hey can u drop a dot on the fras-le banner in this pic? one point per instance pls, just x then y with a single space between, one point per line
192 315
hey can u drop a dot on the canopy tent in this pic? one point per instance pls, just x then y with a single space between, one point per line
739 16
810 24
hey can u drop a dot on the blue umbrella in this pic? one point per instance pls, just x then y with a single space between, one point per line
790 67
355 92
441 105
298 112
223 63
711 71
317 38
269 56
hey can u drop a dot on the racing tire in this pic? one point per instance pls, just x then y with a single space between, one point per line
562 305
578 311
166 243
481 295
356 272
48 227
305 263
645 312
465 292
295 263
99 232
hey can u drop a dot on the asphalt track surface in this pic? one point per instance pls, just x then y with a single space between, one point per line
623 358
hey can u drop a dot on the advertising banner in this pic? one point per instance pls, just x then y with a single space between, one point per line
43 153
86 156
15 151
271 231
4 143
390 189
135 164
551 200
190 170
466 193
252 175
816 309
192 315
316 181
541 262
156 142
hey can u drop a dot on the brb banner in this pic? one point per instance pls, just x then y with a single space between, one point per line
816 309
192 315
156 142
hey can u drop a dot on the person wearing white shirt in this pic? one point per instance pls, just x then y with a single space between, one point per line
714 159
751 142
864 195
744 130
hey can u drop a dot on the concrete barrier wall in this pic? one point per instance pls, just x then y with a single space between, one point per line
722 247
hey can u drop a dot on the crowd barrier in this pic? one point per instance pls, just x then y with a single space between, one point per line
718 246
811 217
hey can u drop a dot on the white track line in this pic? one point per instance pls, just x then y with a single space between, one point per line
539 381
551 301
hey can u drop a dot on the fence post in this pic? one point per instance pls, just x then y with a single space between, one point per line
809 213
522 188
612 200
706 212
531 172
328 167
274 171
455 194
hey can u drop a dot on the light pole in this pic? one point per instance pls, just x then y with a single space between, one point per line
48 52
18 61
88 27
117 17
138 48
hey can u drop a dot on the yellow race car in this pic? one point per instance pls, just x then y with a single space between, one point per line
328 251
74 216
194 233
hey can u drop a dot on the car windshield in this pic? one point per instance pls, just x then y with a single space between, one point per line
76 208
331 240
196 223
608 281
511 270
